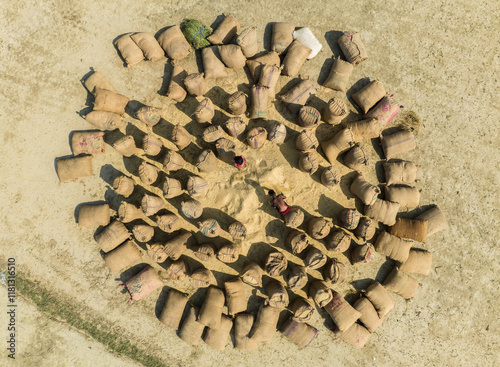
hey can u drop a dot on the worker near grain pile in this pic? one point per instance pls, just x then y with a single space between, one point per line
278 202
240 162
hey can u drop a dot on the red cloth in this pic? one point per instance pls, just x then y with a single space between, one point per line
240 166
285 211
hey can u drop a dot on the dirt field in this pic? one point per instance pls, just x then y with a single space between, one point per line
441 60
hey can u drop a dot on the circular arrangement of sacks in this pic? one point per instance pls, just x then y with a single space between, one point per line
127 239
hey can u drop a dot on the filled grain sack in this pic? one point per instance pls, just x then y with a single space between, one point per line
191 329
297 241
338 241
352 47
172 188
173 161
129 51
294 218
299 333
265 324
232 56
97 80
177 270
256 137
341 312
197 187
357 157
126 146
213 133
276 132
88 142
247 40
201 278
255 66
275 263
149 115
72 168
302 310
148 173
383 211
369 95
319 228
242 326
148 45
151 204
237 230
307 38
380 298
143 232
400 172
349 218
195 84
357 335
225 32
212 64
315 258
418 262
341 142
369 315
179 244
226 149
282 36
309 117
235 126
365 229
122 257
413 229
393 247
362 254
338 78
260 101
106 100
181 137
176 89
204 112
151 145
330 177
296 277
173 309
236 105
320 292
93 215
436 220
335 273
294 59
168 222
229 252
306 141
217 339
104 120
196 33
335 111
123 185
210 228
112 235
144 283
128 212
192 208
205 252
211 309
156 252
174 43
252 275
277 295
384 111
408 197
401 283
269 75
365 129
308 162
298 95
235 296
398 143
364 190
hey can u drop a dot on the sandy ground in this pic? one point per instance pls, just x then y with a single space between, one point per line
441 60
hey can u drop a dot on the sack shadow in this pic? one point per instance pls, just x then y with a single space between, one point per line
332 38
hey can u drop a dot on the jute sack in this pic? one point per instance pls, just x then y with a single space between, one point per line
201 278
407 197
277 132
418 262
357 335
144 283
277 295
298 95
436 220
368 97
352 47
295 57
302 310
177 270
143 232
151 145
307 38
172 188
237 105
282 36
156 252
296 278
398 143
181 137
88 142
330 177
309 117
357 157
364 190
191 330
275 263
320 292
341 142
247 40
306 141
308 162
212 65
294 218
236 297
226 149
205 252
315 258
256 137
335 273
383 211
104 120
335 111
229 253
232 56
362 254
213 133
242 326
393 247
269 75
93 215
400 172
338 78
384 111
126 146
179 244
217 339
252 275
97 80
365 229
130 52
111 236
401 283
256 66
413 229
369 315
106 100
123 185
225 32
168 223
72 168
237 230
349 218
211 309
148 173
173 309
260 101
210 228
174 43
338 241
341 312
173 161
128 212
196 84
151 204
265 324
197 187
299 333
192 208
176 89
148 45
297 241
149 115
365 129
319 228
122 257
380 298
235 126
204 112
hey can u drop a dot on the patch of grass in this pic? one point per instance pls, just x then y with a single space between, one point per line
96 328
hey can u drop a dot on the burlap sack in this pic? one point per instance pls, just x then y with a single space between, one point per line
380 298
217 339
176 89
237 230
204 112
106 100
298 95
172 188
400 172
330 177
256 137
309 117
277 295
210 228
242 326
88 142
338 78
362 254
232 56
401 283
97 80
173 309
418 262
296 278
156 252
104 120
282 36
364 190
269 58
192 209
341 142
341 312
295 57
179 244
349 218
168 222
129 212
302 310
212 65
93 215
191 330
384 111
398 143
299 333
297 241
352 47
111 236
148 45
72 168
211 309
365 229
235 296
237 105
229 253
174 43
320 292
413 229
148 173
335 111
197 187
129 51
247 40
235 126
213 133
319 228
315 258
275 263
196 84
357 157
201 278
181 137
143 284
277 132
357 335
306 141
205 252
177 270
151 204
151 145
393 247
260 101
143 232
407 197
369 315
365 129
436 220
308 162
265 324
269 75
225 32
173 161
149 115
368 97
252 275
122 257
294 218
335 273
123 185
126 146
226 150
338 241
383 211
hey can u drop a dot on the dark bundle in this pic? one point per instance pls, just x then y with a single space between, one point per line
196 33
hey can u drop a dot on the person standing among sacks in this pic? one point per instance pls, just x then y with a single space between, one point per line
278 202
240 162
